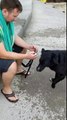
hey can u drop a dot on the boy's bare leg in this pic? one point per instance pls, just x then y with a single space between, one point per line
7 79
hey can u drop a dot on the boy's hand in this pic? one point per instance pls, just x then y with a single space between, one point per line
31 55
33 48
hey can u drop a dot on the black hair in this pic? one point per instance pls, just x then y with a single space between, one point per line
11 4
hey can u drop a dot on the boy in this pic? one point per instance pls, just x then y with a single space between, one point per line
12 49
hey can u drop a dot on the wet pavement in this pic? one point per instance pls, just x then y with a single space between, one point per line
37 100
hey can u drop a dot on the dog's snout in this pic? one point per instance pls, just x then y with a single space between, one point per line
38 68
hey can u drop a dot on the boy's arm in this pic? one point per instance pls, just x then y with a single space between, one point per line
20 42
15 56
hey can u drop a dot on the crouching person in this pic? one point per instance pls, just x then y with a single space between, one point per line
12 52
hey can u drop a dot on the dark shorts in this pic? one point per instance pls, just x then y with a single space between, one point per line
17 48
5 64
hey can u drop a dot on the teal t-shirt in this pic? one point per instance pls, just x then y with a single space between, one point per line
1 34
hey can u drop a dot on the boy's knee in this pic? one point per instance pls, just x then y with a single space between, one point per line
13 68
24 50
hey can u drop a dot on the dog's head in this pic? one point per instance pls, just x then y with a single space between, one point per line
44 60
48 58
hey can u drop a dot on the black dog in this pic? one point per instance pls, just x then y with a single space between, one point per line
56 61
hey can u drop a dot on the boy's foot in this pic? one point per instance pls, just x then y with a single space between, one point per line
10 97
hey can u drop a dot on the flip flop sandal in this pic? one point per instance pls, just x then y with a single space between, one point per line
9 95
23 73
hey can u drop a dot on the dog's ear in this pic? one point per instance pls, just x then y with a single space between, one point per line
55 59
43 50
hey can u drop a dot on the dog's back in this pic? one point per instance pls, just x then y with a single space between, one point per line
59 61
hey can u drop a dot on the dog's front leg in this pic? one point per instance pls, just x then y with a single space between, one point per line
58 78
54 80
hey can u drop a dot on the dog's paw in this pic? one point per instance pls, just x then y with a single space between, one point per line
50 79
53 85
